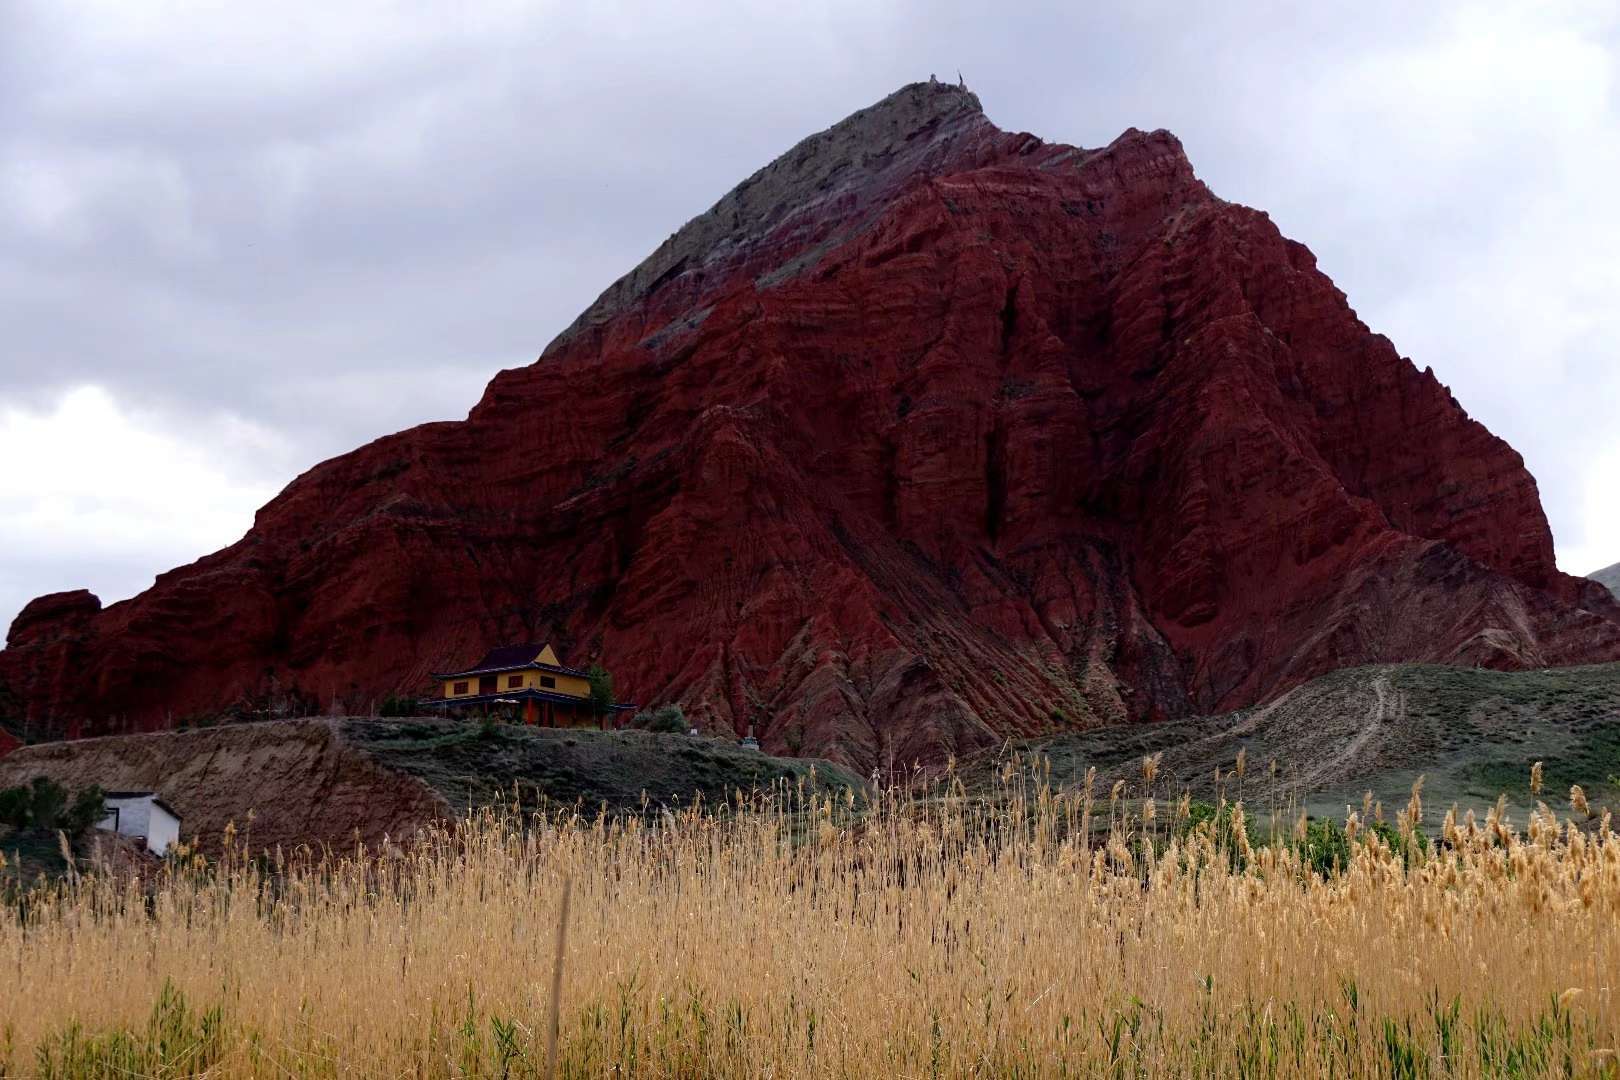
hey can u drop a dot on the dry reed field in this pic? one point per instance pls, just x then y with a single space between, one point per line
800 935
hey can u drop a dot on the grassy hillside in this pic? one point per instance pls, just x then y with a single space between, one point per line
1609 577
470 765
1472 734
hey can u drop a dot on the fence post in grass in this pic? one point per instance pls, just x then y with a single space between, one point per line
555 1020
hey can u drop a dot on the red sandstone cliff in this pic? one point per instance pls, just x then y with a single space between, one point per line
925 434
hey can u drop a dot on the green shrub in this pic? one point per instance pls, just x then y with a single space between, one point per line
668 719
1398 843
399 705
1325 848
601 681
46 805
88 807
15 804
47 801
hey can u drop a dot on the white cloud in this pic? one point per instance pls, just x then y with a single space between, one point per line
1592 547
89 482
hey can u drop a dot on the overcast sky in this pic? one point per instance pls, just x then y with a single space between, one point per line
236 239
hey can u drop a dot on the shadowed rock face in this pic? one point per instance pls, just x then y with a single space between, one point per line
926 434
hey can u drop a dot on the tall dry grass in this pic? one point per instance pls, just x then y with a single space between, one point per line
805 935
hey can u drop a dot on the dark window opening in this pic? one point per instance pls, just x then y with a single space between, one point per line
487 684
459 688
548 682
513 681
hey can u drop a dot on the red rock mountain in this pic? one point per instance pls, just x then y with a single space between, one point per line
925 434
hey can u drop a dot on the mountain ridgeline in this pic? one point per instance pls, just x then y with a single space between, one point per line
926 435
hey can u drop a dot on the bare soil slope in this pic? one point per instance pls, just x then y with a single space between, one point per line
299 780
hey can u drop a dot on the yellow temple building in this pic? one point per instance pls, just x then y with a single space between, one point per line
530 677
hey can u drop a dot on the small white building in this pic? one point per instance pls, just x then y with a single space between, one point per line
142 814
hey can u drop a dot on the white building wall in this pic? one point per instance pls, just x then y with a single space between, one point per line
162 829
140 815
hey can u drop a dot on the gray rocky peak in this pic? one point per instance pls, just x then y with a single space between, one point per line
824 186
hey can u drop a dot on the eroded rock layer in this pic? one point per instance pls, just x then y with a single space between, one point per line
926 434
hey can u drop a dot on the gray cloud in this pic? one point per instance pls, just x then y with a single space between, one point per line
306 230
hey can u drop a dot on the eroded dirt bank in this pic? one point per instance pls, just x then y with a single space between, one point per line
300 780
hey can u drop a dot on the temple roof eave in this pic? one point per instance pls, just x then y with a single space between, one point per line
534 665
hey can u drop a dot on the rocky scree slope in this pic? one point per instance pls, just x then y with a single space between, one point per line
926 434
1609 579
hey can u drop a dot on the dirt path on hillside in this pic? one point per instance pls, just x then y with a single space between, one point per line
1388 707
1251 723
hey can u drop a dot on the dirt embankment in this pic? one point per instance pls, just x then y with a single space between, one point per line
299 779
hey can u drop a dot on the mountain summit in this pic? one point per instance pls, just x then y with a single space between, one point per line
925 434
